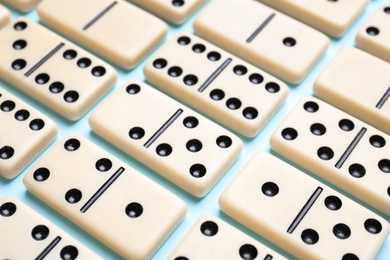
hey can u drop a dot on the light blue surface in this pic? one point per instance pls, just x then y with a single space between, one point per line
196 207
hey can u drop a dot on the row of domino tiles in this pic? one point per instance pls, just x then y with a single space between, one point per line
252 76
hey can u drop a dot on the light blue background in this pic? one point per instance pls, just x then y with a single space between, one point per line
196 207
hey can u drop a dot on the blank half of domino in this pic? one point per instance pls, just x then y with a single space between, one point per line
24 134
339 148
181 145
359 84
115 204
116 30
262 36
27 235
220 85
301 215
51 69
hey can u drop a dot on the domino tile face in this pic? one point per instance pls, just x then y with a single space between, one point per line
300 214
331 17
218 84
27 235
171 139
116 30
212 238
374 36
262 36
52 70
106 198
5 16
338 148
174 11
24 134
22 5
359 84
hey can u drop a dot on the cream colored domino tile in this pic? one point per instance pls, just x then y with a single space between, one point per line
105 197
52 70
218 84
174 11
359 84
374 36
266 38
338 148
116 30
212 238
329 16
300 214
27 235
24 134
171 139
5 16
22 5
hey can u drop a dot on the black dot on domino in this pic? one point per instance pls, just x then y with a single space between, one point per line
311 107
233 103
373 226
209 228
272 87
289 42
134 210
7 106
136 133
346 125
98 71
73 196
181 258
318 129
190 122
240 70
372 31
190 80
194 145
184 40
250 113
20 26
198 48
103 165
357 170
56 87
72 145
217 94
224 141
133 89
325 153
69 253
198 170
350 256
160 63
248 252
70 54
384 165
377 141
6 152
310 236
387 10
341 231
41 174
289 134
270 189
19 44
175 71
333 203
40 232
164 150
388 191
37 124
256 78
178 3
42 78
214 56
7 209
19 64
84 63
71 96
22 115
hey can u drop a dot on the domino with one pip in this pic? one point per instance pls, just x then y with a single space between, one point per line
52 70
27 235
374 36
301 215
329 16
339 148
117 205
222 86
22 5
116 30
171 139
24 134
359 84
174 11
262 36
212 238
